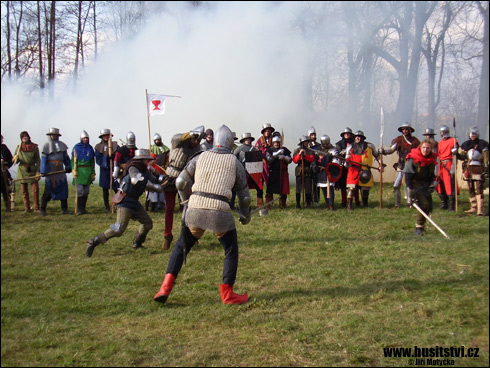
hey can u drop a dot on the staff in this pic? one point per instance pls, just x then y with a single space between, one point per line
454 169
109 152
75 174
382 116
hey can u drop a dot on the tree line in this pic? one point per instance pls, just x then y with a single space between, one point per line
426 61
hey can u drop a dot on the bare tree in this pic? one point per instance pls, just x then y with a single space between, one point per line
434 50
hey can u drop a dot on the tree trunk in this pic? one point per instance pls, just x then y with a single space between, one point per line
40 45
483 93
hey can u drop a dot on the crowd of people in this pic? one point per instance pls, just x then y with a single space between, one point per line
204 172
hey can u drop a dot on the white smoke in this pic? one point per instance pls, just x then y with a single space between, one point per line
236 64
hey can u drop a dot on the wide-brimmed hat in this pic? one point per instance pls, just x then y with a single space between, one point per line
346 130
406 126
246 136
104 132
53 131
303 139
359 133
142 154
429 131
266 126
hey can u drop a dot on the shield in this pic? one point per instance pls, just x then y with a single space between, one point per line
334 171
254 166
365 176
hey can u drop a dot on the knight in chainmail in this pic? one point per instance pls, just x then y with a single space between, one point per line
320 167
341 184
359 157
135 180
303 159
54 158
402 144
206 184
184 146
278 158
475 155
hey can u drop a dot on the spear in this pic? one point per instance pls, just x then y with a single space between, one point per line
40 175
382 117
109 157
75 168
454 169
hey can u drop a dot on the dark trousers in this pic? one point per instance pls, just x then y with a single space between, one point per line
186 241
47 197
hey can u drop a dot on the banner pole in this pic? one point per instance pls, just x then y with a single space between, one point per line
148 116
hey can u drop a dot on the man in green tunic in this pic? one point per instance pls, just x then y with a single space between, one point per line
83 164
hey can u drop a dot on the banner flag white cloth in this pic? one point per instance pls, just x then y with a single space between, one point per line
156 104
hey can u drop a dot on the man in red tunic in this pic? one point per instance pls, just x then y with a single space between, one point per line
447 147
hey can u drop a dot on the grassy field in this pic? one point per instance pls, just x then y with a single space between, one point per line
325 288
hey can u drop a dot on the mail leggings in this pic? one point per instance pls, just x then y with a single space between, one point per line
122 221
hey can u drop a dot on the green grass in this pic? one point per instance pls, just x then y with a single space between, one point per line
325 288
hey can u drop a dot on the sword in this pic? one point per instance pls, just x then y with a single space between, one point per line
428 218
259 208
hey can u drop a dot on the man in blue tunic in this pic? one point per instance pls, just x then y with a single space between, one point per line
55 159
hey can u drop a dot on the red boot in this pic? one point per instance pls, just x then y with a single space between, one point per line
229 297
166 288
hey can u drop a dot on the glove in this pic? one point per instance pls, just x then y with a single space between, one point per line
75 174
67 171
454 150
38 176
381 150
433 186
92 177
281 157
411 196
15 159
245 219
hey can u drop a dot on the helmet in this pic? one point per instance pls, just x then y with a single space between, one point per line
157 136
234 136
325 139
104 132
365 176
53 131
265 126
142 154
429 131
224 137
360 133
475 130
246 136
276 138
303 139
198 132
406 126
444 131
311 130
130 139
346 130
84 134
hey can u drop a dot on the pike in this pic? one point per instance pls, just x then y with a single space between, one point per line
75 164
343 158
258 208
38 176
111 164
428 218
454 169
382 118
